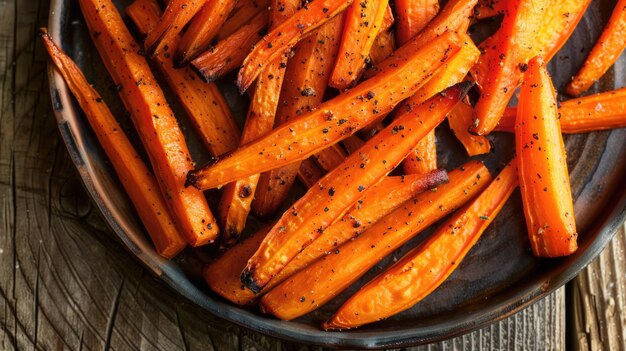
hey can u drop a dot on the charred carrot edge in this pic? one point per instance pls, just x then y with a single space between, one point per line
236 199
229 53
344 186
362 25
413 16
135 177
202 29
204 103
309 173
306 80
330 157
244 12
284 36
333 121
324 279
424 269
582 115
604 53
352 143
460 119
544 179
176 16
153 119
489 8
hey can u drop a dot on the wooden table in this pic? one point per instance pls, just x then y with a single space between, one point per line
67 284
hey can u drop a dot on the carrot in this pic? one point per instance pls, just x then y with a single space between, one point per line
244 12
325 278
333 121
544 179
582 115
363 22
460 119
202 29
384 45
413 16
426 267
228 54
236 200
352 143
489 8
382 198
177 14
344 186
330 157
204 103
604 53
309 173
135 177
153 119
529 28
283 37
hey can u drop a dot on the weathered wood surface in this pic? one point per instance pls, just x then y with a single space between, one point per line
66 284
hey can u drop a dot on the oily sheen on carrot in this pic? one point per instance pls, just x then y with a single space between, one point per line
362 24
582 115
333 121
344 186
384 46
320 282
544 179
136 178
176 16
604 53
153 119
244 12
459 120
425 268
204 103
413 16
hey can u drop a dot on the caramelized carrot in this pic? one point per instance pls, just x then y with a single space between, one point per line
202 29
153 119
425 268
330 157
177 14
309 173
544 179
489 8
344 186
283 37
228 54
352 143
384 45
333 121
460 119
135 177
327 277
604 53
244 12
582 115
363 22
413 16
203 102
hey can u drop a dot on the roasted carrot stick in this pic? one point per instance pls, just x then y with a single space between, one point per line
229 53
604 53
344 186
489 8
460 119
309 173
203 102
379 200
135 177
413 16
202 29
153 119
244 12
327 277
425 268
544 179
177 14
582 115
284 36
306 80
330 157
363 22
236 200
384 45
332 121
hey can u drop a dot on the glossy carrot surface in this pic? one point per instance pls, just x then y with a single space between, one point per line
413 16
244 12
460 120
176 16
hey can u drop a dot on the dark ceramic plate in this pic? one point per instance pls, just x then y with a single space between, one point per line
498 278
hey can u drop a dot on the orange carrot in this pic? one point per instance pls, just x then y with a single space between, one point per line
604 54
362 24
135 177
352 143
325 278
384 46
309 173
413 16
202 29
244 12
332 121
153 119
344 186
330 157
489 8
229 53
204 103
425 268
582 115
544 179
460 119
177 14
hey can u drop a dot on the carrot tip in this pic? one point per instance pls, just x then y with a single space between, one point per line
248 281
